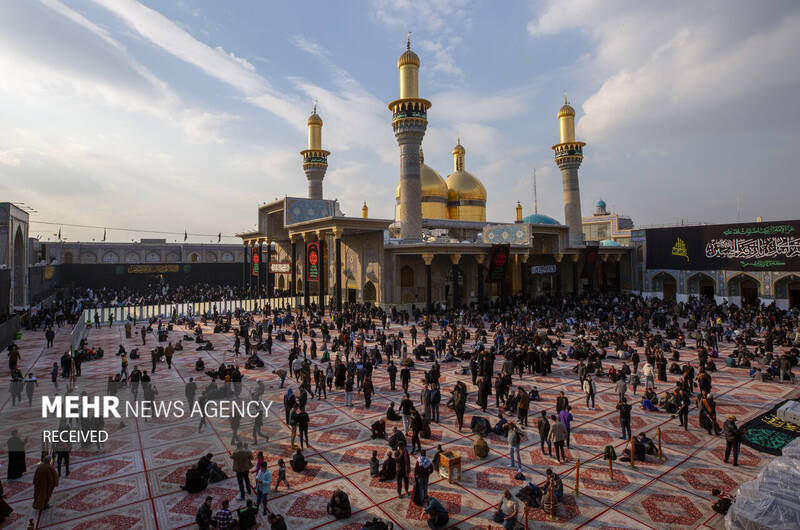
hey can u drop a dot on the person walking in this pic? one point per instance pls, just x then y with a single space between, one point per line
403 467
242 462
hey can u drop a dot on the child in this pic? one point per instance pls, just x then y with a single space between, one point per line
259 459
281 475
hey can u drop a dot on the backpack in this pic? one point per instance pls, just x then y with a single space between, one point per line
480 425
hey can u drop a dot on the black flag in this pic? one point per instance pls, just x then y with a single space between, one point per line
185 235
219 237
59 233
104 234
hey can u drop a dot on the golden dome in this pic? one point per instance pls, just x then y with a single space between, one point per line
314 119
433 185
459 148
408 57
566 110
464 186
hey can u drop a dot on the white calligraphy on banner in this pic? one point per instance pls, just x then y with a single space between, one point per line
765 247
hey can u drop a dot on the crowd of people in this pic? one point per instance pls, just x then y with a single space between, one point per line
625 341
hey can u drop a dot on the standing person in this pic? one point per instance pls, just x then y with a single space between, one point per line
649 375
558 435
281 475
566 418
405 409
30 385
16 389
434 401
54 375
302 426
683 409
523 404
460 404
624 418
242 462
143 332
45 480
589 390
561 401
403 463
190 390
16 455
543 426
263 485
422 471
514 437
733 439
169 351
621 386
348 392
416 428
405 377
392 370
123 366
258 422
368 390
63 447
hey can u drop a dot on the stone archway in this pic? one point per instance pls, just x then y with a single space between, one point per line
18 271
788 288
702 285
370 294
666 284
746 287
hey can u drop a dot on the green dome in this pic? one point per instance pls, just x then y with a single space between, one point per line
609 243
539 219
601 204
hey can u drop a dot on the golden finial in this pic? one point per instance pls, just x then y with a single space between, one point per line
565 98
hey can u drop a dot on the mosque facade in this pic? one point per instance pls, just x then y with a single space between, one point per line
439 248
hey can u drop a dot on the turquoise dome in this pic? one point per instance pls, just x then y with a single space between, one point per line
539 219
609 243
601 204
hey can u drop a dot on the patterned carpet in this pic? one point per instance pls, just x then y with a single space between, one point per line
134 481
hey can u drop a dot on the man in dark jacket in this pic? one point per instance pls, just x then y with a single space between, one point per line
733 439
204 517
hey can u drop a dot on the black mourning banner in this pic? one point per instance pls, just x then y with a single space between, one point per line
773 246
312 261
768 433
498 259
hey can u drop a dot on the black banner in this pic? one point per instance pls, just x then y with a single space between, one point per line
771 246
768 433
589 261
312 261
498 259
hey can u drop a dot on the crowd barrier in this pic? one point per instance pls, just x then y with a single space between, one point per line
166 311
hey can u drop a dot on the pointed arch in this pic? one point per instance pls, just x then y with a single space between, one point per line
370 293
701 284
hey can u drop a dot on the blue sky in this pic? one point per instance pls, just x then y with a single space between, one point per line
187 115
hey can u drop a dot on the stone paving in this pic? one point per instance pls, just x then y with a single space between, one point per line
134 481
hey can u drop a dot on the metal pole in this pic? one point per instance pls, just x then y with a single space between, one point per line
633 466
578 477
338 273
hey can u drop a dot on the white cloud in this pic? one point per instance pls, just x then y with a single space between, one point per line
214 62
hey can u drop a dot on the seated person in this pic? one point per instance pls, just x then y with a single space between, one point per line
339 505
388 470
438 517
121 350
649 400
397 439
500 425
199 365
179 346
379 429
298 462
374 465
392 414
195 481
558 486
534 393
